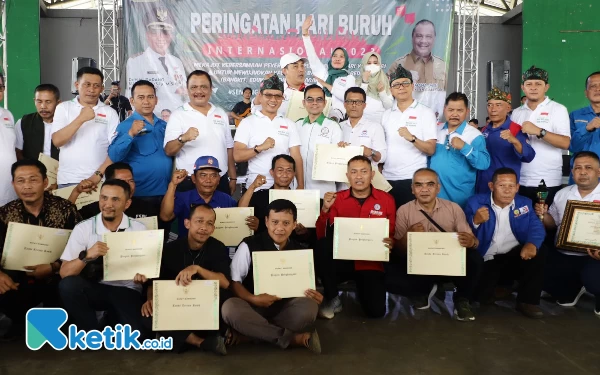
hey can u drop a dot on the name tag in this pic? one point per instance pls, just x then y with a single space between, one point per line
101 119
543 118
283 132
7 123
411 123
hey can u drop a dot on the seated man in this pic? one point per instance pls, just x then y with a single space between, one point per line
362 200
204 258
568 275
82 289
428 213
510 240
119 171
206 179
20 291
282 322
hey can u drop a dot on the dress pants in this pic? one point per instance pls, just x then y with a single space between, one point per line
82 298
566 274
398 281
370 284
529 273
402 192
276 324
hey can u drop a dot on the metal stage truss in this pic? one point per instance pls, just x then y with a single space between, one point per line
108 40
468 51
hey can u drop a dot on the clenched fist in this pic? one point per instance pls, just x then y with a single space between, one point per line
136 128
481 216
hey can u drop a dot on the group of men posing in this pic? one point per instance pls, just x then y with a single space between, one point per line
448 178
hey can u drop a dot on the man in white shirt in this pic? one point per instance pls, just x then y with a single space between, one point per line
34 130
156 64
547 124
570 274
82 289
316 129
8 140
200 128
292 68
82 130
266 134
411 133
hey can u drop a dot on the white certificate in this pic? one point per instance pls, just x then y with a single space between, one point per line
30 245
151 222
230 226
360 239
285 274
307 203
331 162
133 252
435 253
585 227
194 307
51 167
296 109
83 199
379 182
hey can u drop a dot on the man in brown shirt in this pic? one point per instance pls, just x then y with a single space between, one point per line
428 213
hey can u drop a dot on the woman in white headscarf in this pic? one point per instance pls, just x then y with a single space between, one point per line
376 84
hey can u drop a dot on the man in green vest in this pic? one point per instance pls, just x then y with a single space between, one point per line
33 130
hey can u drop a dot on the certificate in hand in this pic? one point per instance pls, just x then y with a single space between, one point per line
194 307
331 162
51 167
360 239
307 202
151 222
285 274
133 252
580 227
379 182
435 253
230 226
84 198
296 109
30 245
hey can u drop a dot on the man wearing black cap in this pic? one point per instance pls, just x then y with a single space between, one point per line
117 101
157 65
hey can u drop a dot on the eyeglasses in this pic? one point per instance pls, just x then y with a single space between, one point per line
354 102
312 100
273 96
2 88
403 84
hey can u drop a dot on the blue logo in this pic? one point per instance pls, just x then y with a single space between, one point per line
44 326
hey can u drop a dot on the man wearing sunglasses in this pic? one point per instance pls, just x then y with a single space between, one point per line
316 129
267 134
410 131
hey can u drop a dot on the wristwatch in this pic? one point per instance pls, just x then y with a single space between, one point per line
82 256
180 140
256 150
414 139
542 134
100 174
372 153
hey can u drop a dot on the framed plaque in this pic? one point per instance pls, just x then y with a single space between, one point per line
580 227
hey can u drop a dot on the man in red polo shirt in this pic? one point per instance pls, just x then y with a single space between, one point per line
362 200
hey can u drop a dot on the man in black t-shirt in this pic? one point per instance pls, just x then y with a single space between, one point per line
195 257
243 108
120 171
117 101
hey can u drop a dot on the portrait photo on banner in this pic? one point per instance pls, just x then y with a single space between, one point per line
168 39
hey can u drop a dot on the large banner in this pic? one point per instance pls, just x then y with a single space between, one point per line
239 42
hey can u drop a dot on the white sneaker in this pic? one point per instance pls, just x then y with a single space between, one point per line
330 308
574 302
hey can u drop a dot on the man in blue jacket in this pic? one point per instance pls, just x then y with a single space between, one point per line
584 121
460 152
504 140
510 240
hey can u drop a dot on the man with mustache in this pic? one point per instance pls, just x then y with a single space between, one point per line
569 275
34 129
201 128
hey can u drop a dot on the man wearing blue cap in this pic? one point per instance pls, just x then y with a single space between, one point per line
206 178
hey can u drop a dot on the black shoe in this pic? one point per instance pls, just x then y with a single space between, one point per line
462 310
215 344
314 344
530 311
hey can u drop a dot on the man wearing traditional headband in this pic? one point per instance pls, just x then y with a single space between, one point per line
506 143
546 122
266 134
411 132
156 64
